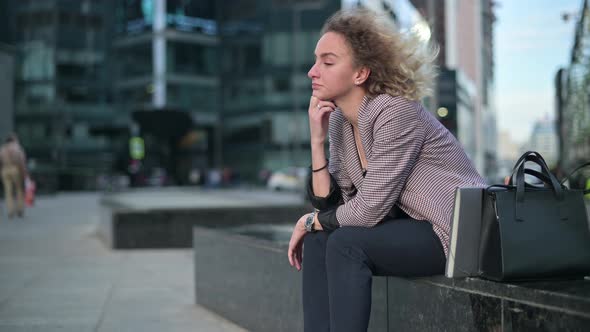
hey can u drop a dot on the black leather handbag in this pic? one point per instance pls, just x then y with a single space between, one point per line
533 232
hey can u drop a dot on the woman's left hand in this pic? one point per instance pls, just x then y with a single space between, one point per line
295 251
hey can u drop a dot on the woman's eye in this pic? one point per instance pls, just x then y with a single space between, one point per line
328 63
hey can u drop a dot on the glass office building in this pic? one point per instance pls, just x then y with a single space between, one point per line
61 88
224 82
239 68
573 97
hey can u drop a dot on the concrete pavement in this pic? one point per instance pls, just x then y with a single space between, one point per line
55 275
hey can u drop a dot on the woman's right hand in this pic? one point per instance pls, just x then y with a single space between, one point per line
319 117
295 251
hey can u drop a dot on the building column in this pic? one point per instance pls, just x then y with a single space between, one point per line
480 110
159 54
451 33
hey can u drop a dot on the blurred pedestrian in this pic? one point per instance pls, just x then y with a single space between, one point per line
385 197
14 172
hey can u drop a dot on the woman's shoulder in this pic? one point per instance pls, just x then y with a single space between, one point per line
386 101
384 107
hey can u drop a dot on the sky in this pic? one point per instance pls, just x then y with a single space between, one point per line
531 43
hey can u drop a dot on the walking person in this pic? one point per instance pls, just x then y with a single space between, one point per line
14 172
384 198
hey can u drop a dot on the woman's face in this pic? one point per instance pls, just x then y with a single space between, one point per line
333 74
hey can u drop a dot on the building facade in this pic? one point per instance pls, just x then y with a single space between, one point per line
6 90
61 88
544 140
573 98
238 68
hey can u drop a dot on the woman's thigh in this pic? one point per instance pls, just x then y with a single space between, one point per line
396 247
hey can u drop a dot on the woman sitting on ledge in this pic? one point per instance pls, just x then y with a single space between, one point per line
384 199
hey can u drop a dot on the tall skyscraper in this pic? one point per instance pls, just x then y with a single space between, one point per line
465 101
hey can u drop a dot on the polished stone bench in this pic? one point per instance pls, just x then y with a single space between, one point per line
243 274
472 304
164 218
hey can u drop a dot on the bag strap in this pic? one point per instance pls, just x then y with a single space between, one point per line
586 164
531 156
523 158
539 175
552 182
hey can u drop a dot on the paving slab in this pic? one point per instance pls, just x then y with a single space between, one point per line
56 275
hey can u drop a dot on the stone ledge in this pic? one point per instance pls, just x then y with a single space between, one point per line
438 303
143 221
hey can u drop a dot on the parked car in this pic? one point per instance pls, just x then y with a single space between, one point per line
288 179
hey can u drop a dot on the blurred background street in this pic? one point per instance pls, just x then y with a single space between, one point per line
113 94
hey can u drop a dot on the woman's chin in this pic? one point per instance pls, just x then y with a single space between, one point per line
321 96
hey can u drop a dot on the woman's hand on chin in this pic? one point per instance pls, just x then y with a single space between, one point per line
319 118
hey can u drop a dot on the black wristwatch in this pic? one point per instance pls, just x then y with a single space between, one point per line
309 222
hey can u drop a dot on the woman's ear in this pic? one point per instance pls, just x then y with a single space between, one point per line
361 75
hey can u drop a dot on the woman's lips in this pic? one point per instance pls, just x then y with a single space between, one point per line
315 86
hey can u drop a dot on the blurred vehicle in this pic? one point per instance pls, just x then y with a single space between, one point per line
288 179
158 177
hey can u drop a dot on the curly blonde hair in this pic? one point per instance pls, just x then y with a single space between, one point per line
401 64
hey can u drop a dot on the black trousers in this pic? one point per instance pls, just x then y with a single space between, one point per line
338 268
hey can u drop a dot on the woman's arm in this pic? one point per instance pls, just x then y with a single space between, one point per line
320 177
332 199
319 117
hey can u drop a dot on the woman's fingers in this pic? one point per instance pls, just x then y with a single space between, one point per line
292 247
299 253
322 104
313 102
316 104
320 113
297 258
295 244
294 257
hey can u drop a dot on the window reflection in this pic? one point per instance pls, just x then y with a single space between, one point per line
135 61
187 58
192 96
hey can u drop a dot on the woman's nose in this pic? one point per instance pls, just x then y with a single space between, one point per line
312 72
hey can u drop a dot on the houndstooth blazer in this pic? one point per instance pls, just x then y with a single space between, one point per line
414 162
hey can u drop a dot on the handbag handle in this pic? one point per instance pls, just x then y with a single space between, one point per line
586 164
544 178
529 156
553 183
525 156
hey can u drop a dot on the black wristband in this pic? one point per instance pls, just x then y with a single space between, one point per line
327 219
321 168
